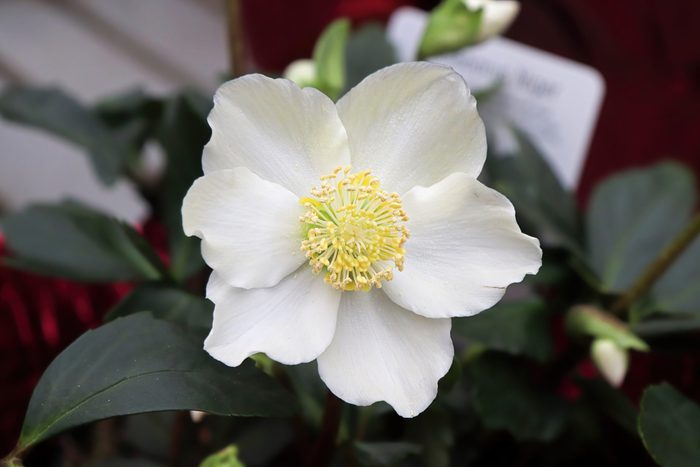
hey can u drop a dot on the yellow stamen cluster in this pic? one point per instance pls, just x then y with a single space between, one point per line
354 230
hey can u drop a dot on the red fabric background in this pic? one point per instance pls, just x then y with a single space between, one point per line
647 50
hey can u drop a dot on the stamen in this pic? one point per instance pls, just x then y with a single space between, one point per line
354 230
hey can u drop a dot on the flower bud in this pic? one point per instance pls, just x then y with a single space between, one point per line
302 72
496 17
611 360
197 415
455 24
588 320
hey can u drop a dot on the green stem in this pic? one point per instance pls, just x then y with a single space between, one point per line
13 459
659 266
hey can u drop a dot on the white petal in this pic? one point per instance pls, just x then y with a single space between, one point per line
381 352
413 124
292 322
497 16
249 227
282 133
465 248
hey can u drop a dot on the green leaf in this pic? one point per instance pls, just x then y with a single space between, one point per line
611 402
632 217
132 117
518 328
329 57
678 290
121 107
72 241
139 364
367 51
527 179
227 457
661 327
432 430
669 424
310 390
593 322
182 133
451 27
166 302
53 111
384 454
505 399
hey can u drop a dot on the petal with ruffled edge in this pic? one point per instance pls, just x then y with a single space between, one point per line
413 124
284 134
292 322
465 248
381 352
249 227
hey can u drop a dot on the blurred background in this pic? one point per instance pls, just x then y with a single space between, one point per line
648 52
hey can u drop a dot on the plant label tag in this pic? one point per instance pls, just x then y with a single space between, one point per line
553 100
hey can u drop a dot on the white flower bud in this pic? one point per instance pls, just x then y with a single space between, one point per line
302 72
197 416
611 359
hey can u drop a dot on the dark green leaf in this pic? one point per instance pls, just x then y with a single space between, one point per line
132 117
529 182
384 454
168 303
611 402
518 328
117 109
139 364
433 432
53 111
263 440
678 290
183 133
669 424
367 51
309 389
632 217
73 241
660 327
505 399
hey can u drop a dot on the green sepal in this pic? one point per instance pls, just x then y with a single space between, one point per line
591 321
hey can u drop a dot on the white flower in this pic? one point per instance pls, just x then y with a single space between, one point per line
279 210
497 16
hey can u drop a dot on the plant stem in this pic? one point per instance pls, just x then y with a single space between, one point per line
659 266
330 423
236 39
12 459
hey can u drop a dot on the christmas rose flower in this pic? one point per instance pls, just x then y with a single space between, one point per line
351 233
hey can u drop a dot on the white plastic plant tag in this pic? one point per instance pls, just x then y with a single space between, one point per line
555 101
